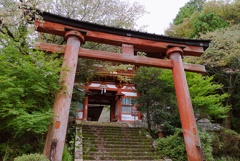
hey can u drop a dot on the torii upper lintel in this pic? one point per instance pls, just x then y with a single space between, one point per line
154 45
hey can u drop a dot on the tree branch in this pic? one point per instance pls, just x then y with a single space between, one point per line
9 33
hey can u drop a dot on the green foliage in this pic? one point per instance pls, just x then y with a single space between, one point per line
226 159
29 79
226 143
206 143
224 48
183 30
28 83
207 22
210 16
32 157
174 148
222 60
157 97
187 11
66 154
227 10
11 147
205 97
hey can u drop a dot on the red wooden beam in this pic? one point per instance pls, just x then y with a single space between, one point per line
148 46
123 58
57 130
189 127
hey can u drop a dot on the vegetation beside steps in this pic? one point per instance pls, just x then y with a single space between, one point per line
96 142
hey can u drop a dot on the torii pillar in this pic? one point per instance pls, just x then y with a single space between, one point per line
57 130
189 127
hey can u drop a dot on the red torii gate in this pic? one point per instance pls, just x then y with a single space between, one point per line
157 48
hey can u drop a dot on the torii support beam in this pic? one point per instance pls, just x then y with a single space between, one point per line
189 127
123 58
57 130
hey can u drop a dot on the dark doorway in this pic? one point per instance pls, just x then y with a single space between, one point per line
94 112
98 102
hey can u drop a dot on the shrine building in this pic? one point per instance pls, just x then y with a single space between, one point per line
118 96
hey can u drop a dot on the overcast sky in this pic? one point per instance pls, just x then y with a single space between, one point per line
162 13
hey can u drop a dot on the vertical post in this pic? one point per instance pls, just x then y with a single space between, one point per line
57 130
112 111
119 104
189 127
85 112
139 112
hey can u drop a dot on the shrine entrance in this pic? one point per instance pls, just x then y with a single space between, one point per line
161 51
99 105
119 98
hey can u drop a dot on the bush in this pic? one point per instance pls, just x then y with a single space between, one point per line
226 143
173 146
66 154
226 159
32 157
206 142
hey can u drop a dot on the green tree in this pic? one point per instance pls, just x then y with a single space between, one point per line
205 97
207 22
187 10
173 146
227 10
29 80
28 83
153 93
222 61
210 16
219 22
157 97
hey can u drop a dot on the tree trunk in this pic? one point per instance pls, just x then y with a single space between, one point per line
149 121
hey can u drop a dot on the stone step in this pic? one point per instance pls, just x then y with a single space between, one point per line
137 132
118 142
109 137
114 132
115 128
116 157
117 137
95 123
118 146
88 150
110 127
121 153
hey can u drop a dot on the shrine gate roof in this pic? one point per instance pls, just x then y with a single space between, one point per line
154 45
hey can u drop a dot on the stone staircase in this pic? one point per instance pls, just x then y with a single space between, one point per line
113 142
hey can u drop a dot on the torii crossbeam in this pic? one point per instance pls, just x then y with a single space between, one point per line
157 48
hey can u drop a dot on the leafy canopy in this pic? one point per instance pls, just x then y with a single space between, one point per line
28 84
205 97
201 17
157 96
